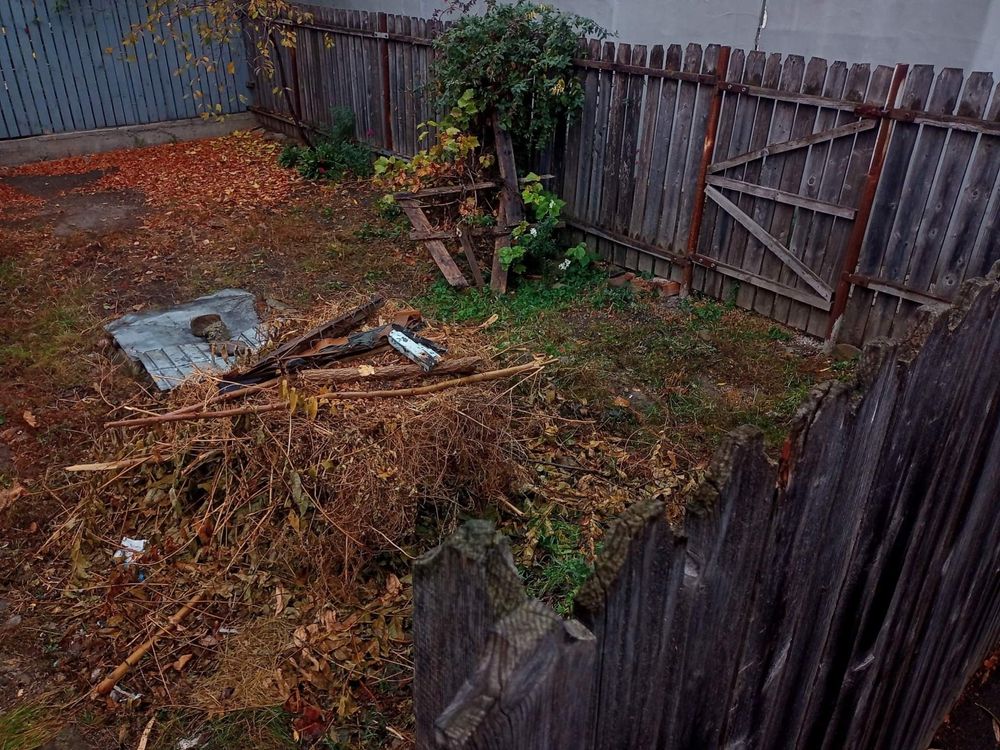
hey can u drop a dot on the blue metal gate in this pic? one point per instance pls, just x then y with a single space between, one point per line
63 69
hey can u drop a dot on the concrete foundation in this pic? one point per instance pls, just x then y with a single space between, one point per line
60 145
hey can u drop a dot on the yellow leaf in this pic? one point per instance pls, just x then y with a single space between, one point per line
29 418
231 68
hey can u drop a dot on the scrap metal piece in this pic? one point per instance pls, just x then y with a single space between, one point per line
162 341
416 349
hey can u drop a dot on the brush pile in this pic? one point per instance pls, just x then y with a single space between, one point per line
334 435
267 491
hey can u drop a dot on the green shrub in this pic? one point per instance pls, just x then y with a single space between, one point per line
335 155
517 58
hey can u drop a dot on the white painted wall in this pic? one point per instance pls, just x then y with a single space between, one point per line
945 33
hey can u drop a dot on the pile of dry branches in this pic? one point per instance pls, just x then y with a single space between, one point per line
278 483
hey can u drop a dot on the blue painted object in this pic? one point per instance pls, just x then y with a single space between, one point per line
56 75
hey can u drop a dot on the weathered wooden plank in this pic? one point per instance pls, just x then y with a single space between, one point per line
640 569
452 273
878 251
702 279
799 315
949 266
19 114
678 156
65 52
529 690
782 129
826 235
719 240
470 256
794 144
958 245
946 420
460 590
771 243
739 274
647 138
738 252
25 59
707 97
511 205
785 216
854 184
782 196
659 157
627 162
611 178
595 188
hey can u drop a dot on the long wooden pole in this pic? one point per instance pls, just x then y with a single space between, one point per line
333 395
108 683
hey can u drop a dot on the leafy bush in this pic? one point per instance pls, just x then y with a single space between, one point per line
537 242
516 58
336 154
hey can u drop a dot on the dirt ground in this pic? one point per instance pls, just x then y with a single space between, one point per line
640 395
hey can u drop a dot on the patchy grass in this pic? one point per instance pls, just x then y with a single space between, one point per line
262 729
27 727
697 368
558 566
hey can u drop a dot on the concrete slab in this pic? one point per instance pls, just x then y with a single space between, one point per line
60 145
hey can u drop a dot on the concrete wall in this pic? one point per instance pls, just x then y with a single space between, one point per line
945 33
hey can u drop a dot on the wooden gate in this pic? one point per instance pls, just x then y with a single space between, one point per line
785 184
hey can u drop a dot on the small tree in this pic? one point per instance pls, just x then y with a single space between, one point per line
267 24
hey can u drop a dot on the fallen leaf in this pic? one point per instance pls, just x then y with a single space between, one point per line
9 496
182 661
29 418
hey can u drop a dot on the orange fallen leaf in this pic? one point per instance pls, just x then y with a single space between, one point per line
29 418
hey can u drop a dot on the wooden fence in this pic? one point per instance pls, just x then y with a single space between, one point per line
815 193
62 69
840 599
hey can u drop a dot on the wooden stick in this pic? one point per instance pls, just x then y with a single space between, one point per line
481 377
195 416
464 365
108 683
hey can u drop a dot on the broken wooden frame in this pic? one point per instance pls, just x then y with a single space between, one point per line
842 598
509 216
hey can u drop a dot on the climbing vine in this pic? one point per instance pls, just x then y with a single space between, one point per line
518 59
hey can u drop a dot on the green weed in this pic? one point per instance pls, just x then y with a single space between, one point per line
27 727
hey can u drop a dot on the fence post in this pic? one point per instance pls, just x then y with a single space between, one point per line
383 48
711 129
853 249
461 589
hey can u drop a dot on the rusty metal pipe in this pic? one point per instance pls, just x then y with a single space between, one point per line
708 149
